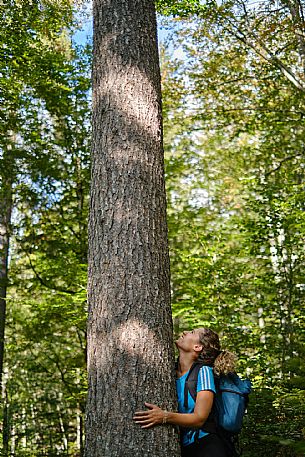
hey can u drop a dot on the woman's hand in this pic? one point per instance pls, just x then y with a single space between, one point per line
154 416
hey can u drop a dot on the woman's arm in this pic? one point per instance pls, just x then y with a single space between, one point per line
155 415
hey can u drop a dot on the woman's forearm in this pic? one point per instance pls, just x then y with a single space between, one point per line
156 416
191 420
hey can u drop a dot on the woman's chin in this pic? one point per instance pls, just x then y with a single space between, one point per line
177 342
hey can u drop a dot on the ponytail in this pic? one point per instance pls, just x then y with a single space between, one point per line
224 363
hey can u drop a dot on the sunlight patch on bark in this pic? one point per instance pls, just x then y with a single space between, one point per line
132 338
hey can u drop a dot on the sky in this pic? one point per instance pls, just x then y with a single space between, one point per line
85 33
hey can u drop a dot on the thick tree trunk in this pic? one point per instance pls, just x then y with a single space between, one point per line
130 348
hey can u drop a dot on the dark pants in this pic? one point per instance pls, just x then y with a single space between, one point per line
209 446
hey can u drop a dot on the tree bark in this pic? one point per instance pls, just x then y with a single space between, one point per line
5 220
6 426
130 347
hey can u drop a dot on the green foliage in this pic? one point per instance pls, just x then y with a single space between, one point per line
47 295
236 216
44 150
234 141
184 8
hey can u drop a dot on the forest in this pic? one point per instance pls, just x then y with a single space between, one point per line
233 104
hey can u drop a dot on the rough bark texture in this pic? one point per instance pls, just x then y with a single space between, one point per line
130 350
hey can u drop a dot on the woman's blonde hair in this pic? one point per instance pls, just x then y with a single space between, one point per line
223 362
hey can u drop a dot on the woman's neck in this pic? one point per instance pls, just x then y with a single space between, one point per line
186 360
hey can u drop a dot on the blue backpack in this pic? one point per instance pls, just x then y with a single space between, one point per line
230 401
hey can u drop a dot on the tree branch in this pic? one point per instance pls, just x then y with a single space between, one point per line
286 159
44 283
263 51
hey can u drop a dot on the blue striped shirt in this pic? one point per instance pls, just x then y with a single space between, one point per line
205 382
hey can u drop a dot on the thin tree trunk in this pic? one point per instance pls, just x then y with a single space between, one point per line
130 348
79 433
6 425
5 220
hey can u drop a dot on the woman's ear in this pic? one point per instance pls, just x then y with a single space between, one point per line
198 347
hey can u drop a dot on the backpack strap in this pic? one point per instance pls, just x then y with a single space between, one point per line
191 383
210 425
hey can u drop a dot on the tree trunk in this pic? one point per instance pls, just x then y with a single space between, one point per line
130 348
5 220
6 427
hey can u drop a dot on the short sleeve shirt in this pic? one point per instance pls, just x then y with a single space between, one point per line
205 382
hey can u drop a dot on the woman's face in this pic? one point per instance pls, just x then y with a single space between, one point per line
189 341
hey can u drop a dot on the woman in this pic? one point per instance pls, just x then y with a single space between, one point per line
199 345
